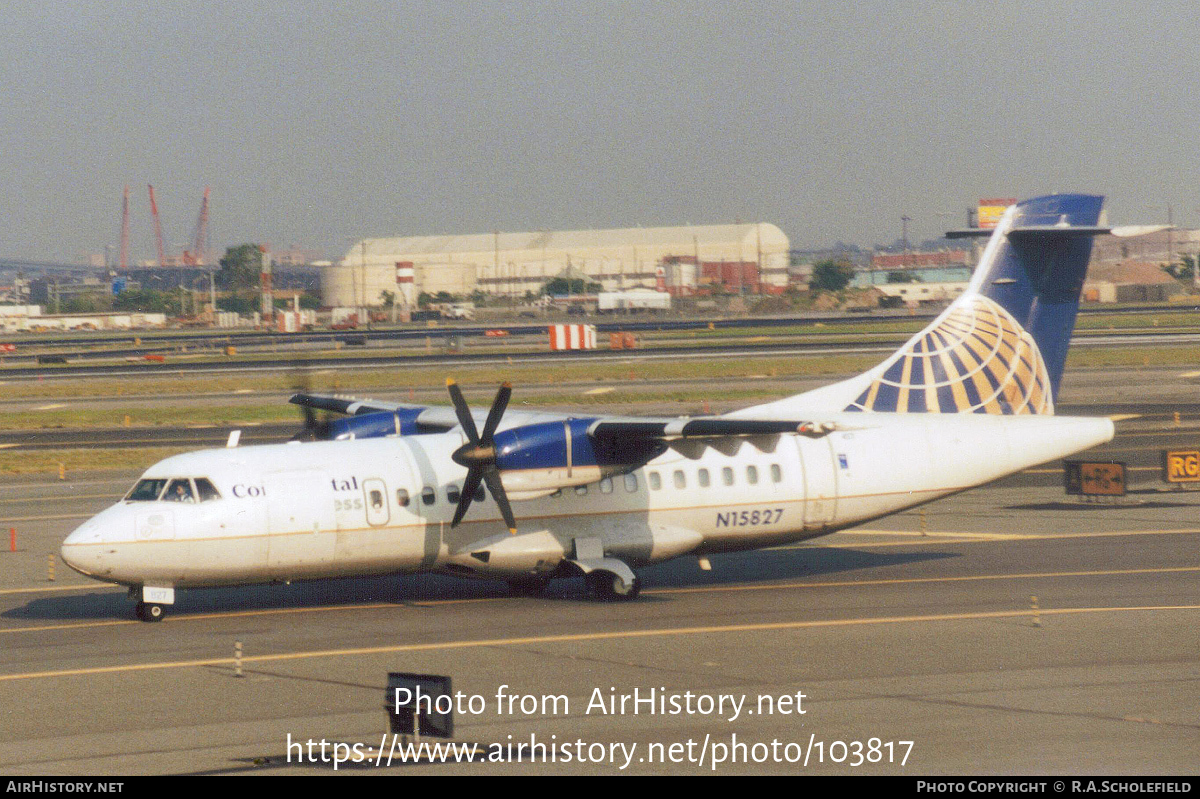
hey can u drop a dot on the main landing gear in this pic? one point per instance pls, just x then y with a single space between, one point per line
611 587
529 586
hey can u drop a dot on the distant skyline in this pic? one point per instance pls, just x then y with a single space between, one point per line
317 124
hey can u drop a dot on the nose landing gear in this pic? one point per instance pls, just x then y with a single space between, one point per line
152 601
149 611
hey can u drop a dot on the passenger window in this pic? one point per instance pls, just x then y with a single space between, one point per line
631 483
376 498
680 480
776 473
752 475
402 497
727 476
655 481
206 490
428 496
703 476
180 491
606 485
452 494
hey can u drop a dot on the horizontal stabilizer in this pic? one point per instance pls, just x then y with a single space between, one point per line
1035 230
1065 231
1130 231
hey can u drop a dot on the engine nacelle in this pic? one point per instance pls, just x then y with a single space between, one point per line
539 458
510 556
376 425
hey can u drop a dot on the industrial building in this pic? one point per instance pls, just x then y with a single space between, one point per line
1130 281
515 263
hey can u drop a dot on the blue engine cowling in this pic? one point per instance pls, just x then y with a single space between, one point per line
377 424
538 458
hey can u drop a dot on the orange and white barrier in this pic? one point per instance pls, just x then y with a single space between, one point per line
572 337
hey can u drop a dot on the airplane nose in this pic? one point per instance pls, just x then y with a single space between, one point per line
76 544
67 552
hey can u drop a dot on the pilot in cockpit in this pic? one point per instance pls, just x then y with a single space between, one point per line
180 491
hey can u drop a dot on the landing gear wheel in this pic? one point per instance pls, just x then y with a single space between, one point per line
528 586
149 611
611 588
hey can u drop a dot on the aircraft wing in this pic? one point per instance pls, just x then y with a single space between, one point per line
351 406
672 428
417 418
608 429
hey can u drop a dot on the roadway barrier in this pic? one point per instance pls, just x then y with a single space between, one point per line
572 337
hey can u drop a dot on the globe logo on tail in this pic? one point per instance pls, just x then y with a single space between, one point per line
976 359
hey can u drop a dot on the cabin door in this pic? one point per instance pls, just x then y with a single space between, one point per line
820 481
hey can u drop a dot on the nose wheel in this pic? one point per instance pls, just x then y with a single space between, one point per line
149 611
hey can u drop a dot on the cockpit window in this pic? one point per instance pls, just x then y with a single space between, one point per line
180 490
146 490
206 490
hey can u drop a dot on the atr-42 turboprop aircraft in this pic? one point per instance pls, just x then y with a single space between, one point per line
387 487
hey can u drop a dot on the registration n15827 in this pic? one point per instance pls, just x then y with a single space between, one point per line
749 518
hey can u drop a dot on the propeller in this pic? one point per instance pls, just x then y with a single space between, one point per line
314 429
478 455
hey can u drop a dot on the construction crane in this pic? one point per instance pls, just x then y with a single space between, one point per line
158 237
125 230
195 256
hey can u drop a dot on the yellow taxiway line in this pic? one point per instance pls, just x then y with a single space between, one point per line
915 580
988 537
43 589
696 590
113 497
588 637
939 537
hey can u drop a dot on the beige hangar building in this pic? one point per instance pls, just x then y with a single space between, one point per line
514 263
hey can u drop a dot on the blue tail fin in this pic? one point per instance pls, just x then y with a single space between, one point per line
1000 348
1036 271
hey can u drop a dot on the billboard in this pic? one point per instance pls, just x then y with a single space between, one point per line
991 210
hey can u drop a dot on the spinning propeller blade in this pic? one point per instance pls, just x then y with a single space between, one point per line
479 454
314 429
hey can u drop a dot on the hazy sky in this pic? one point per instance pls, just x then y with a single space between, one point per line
318 123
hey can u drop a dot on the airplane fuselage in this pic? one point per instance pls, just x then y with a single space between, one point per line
967 400
384 505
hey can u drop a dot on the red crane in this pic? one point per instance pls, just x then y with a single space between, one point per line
196 256
158 239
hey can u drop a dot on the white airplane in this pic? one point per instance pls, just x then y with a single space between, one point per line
966 401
